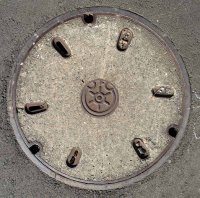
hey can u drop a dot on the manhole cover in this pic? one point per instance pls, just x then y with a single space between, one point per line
99 98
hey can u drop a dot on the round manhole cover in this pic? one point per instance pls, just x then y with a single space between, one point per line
99 98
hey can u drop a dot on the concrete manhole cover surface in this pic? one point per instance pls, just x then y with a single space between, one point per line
99 98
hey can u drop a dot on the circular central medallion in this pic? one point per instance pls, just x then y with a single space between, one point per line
99 97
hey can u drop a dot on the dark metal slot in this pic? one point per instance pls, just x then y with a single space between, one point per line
88 18
173 131
124 39
61 47
74 157
37 107
34 108
140 148
163 91
34 149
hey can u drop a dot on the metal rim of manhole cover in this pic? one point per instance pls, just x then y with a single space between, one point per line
99 98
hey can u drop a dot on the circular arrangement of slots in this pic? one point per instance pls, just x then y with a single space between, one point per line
99 98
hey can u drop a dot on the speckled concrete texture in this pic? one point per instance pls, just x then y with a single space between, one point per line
177 178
